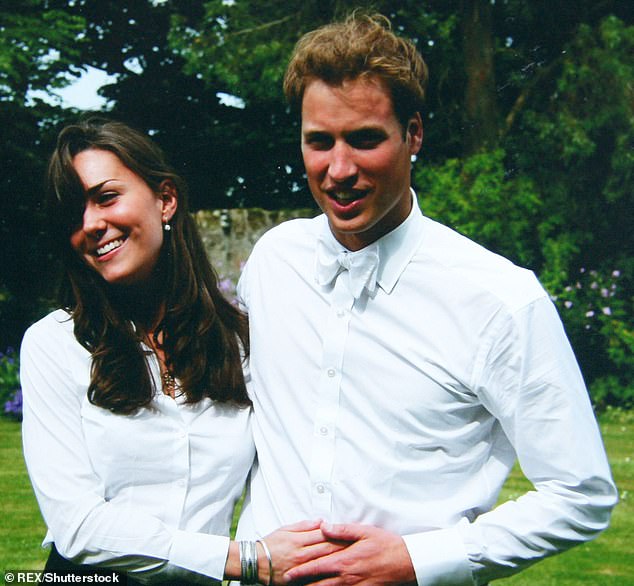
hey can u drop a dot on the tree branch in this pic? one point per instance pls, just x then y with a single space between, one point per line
247 31
525 93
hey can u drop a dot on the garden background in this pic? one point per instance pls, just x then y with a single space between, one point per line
529 150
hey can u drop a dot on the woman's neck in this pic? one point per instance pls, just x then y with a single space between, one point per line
143 304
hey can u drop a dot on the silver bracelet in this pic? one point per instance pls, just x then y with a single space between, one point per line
269 558
248 562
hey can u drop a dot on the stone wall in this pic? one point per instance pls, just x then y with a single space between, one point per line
229 235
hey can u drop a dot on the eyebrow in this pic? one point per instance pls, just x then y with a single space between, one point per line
366 130
97 188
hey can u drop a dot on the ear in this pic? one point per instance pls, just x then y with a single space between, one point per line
169 199
414 135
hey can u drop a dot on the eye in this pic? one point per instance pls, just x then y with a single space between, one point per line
319 141
106 197
365 140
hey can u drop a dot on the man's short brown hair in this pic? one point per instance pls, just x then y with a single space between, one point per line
362 45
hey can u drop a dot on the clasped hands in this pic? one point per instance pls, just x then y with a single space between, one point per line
314 552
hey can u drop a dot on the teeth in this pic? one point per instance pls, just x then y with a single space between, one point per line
345 197
108 247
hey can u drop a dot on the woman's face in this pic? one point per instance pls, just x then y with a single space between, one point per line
121 232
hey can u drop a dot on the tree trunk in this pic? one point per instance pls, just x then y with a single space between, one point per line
481 119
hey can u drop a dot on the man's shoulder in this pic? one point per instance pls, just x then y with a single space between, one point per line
476 266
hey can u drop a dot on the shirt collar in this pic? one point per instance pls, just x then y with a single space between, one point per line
396 248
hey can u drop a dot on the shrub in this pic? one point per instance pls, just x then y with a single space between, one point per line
597 312
10 391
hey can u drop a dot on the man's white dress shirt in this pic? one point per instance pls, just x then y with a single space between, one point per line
150 492
399 394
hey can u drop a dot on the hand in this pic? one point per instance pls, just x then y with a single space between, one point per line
294 545
373 556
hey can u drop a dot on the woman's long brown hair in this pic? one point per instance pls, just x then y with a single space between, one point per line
204 337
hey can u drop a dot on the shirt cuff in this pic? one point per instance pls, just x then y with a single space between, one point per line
201 553
439 557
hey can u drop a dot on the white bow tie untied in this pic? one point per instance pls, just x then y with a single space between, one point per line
360 267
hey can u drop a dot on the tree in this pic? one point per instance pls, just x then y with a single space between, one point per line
481 110
38 46
556 196
528 130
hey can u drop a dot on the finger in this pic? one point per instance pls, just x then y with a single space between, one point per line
323 566
318 550
308 538
306 525
330 581
343 532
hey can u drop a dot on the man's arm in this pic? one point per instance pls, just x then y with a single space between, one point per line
530 381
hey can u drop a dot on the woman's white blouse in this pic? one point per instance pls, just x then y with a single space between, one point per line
150 493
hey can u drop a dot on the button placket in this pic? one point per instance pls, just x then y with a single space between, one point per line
324 430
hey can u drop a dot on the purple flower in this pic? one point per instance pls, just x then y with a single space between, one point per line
13 406
225 285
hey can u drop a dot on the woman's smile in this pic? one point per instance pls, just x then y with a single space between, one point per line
121 234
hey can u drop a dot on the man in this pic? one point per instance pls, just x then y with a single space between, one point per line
398 369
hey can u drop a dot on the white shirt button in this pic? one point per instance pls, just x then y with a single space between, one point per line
323 430
341 312
331 372
321 489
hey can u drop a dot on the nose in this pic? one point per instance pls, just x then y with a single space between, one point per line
342 168
94 223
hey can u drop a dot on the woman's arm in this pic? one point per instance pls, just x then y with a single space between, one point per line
288 547
86 519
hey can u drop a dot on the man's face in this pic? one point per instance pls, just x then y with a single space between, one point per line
357 157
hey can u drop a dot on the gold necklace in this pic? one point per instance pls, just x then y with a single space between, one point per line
169 383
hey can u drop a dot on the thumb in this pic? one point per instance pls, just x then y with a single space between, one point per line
342 531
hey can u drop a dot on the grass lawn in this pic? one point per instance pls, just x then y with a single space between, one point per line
605 561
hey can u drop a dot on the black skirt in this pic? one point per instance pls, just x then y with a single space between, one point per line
60 566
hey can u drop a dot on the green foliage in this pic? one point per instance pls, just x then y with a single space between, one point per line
554 194
40 47
245 47
477 197
37 47
597 308
576 142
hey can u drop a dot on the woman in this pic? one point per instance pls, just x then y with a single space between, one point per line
136 417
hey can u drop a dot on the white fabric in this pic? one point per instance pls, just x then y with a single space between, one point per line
151 492
406 408
360 267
